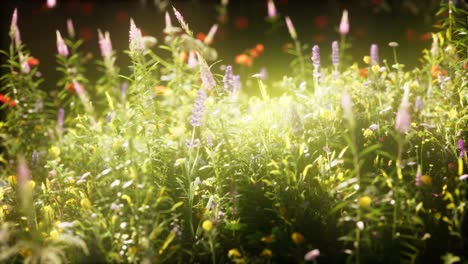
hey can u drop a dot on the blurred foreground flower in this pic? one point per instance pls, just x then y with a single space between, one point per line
344 23
207 225
403 117
312 255
198 108
291 29
62 48
297 238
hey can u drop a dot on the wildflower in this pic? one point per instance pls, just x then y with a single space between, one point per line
344 23
32 62
198 108
297 238
192 60
418 177
4 98
419 105
335 53
168 21
364 201
234 253
268 239
291 29
463 177
24 64
436 71
260 48
181 20
403 117
373 127
266 253
105 44
393 44
62 48
135 38
12 103
85 203
14 30
243 59
51 3
209 38
316 56
70 28
461 147
312 255
426 180
272 13
23 172
227 78
374 54
78 88
205 74
207 225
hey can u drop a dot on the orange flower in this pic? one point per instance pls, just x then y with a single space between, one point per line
32 62
201 36
70 87
254 53
363 72
260 48
183 56
244 59
435 70
4 98
426 36
13 103
160 90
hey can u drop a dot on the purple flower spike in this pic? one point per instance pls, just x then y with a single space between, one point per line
374 54
198 109
461 147
135 38
227 78
335 53
316 56
105 44
62 48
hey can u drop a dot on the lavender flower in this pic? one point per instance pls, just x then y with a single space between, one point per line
14 30
344 23
60 118
403 117
62 48
25 68
205 74
227 78
135 38
316 56
461 147
198 108
419 105
70 28
374 54
182 22
167 19
291 29
272 13
209 37
192 60
374 127
335 53
105 44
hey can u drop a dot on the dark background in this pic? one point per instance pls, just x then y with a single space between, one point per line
372 21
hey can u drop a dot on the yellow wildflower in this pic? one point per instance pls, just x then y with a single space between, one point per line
234 253
85 203
268 239
297 238
207 225
266 253
426 179
12 180
364 201
366 59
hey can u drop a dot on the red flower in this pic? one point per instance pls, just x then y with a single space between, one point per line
244 59
363 72
13 103
32 62
201 36
426 36
435 70
4 98
260 48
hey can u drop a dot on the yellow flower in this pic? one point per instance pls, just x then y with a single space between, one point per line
366 59
364 201
426 179
268 239
25 252
85 203
266 253
207 225
12 180
234 253
54 234
297 238
375 68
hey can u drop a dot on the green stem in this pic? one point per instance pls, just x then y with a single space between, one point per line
299 55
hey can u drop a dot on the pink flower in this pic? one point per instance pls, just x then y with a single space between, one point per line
70 28
272 13
136 39
51 3
105 44
209 38
167 18
291 29
403 117
344 24
62 48
312 255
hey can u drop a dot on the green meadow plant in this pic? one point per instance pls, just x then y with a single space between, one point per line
176 163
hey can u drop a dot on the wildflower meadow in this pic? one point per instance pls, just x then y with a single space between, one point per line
190 159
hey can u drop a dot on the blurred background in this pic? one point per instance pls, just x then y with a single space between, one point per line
408 22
